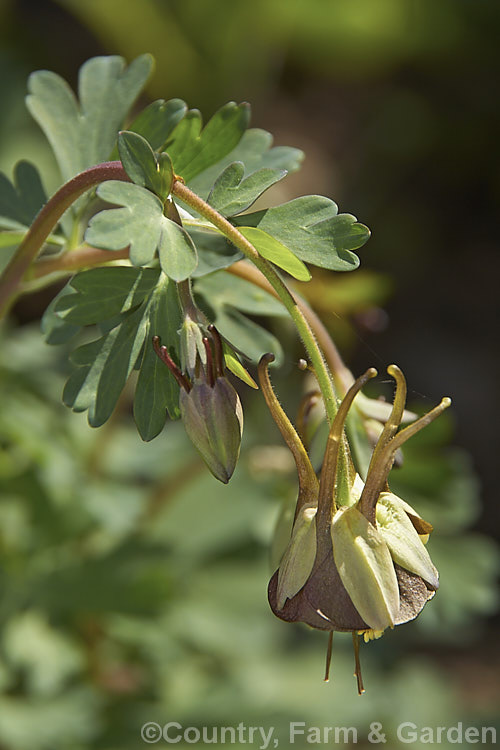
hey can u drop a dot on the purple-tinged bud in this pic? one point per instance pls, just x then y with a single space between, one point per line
210 406
213 419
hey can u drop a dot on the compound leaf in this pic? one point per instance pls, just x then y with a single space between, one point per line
193 150
141 225
230 290
157 391
139 303
312 229
214 251
157 121
103 293
246 336
97 386
223 296
232 194
83 134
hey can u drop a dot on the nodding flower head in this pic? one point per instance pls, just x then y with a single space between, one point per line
356 559
210 406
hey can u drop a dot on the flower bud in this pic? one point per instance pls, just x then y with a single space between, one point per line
213 420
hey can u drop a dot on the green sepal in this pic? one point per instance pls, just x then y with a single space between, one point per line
365 567
401 537
298 559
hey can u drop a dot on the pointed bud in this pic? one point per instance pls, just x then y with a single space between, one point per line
192 348
365 567
213 420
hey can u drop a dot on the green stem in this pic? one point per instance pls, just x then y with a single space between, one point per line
233 235
45 222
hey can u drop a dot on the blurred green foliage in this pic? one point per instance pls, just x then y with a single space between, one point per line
132 583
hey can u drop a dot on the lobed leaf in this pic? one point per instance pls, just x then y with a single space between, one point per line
214 251
256 152
245 335
97 386
230 290
141 225
142 166
232 193
312 229
83 133
103 366
21 200
102 293
193 150
54 328
157 391
156 122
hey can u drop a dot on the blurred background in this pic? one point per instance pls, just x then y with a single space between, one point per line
133 584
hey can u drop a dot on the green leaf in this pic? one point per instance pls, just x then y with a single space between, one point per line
178 256
131 306
273 250
222 293
83 134
255 151
157 391
54 328
193 150
313 230
96 386
142 225
214 251
141 165
246 336
157 121
102 293
231 194
21 200
234 365
230 290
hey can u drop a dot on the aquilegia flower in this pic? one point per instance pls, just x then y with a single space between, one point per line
356 559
